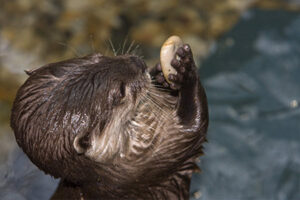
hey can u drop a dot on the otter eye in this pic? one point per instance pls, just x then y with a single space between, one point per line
122 90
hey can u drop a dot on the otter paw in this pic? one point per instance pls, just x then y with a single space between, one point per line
159 76
184 64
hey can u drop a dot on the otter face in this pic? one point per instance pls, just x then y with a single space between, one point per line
71 114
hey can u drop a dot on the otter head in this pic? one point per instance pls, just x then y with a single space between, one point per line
72 118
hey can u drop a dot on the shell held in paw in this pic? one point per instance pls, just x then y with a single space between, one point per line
167 53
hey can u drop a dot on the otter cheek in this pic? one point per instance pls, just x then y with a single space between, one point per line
167 53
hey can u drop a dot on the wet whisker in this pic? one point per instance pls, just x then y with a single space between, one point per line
129 48
124 44
157 106
113 48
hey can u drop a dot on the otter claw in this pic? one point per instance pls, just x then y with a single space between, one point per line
172 77
175 63
165 84
158 67
160 78
181 52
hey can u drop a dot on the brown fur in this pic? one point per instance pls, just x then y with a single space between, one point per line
108 131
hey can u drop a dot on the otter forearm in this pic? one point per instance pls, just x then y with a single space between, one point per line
192 106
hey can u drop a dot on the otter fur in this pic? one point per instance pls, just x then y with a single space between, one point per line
110 128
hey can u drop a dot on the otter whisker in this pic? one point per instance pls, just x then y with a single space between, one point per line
160 87
134 51
119 50
156 105
113 48
157 90
129 48
147 99
163 104
124 44
154 95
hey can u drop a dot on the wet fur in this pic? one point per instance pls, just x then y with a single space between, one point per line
109 131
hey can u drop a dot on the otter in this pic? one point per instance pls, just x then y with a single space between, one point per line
111 128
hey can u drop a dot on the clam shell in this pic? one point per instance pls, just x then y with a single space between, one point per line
167 52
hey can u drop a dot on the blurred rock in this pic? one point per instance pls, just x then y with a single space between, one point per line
291 5
8 86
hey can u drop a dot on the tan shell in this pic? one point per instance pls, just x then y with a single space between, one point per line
167 53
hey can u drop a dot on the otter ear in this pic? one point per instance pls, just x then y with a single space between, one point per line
81 143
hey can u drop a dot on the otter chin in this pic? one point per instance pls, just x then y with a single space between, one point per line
110 128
